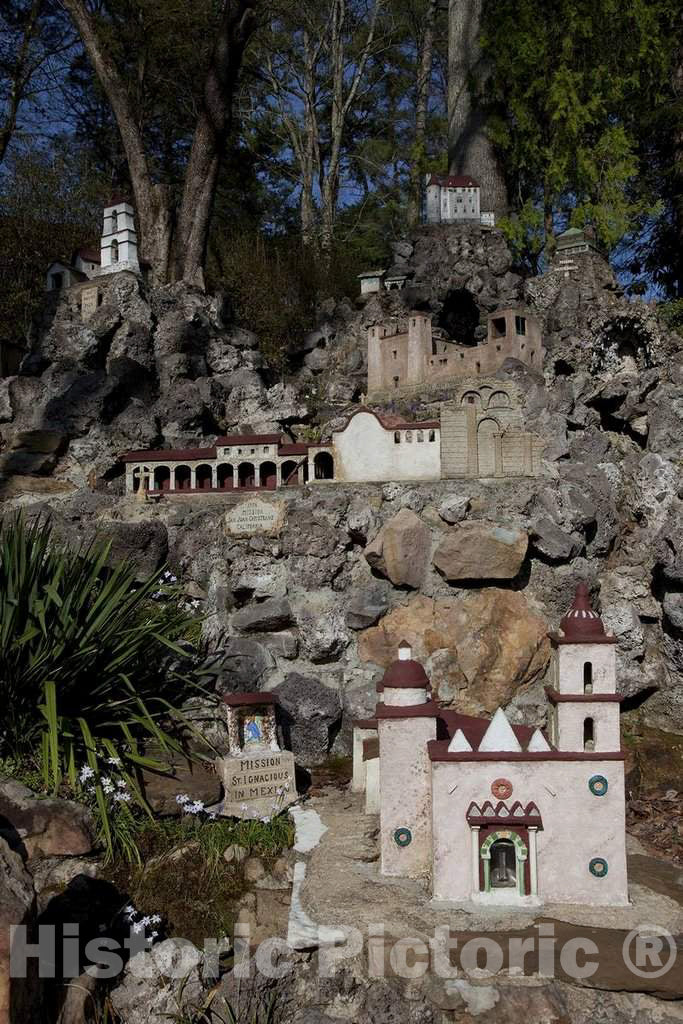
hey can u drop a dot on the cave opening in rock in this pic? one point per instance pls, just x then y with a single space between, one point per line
459 316
628 344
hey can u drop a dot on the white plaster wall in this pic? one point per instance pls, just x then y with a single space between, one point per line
433 204
358 776
405 794
372 800
365 451
404 697
577 826
606 731
570 659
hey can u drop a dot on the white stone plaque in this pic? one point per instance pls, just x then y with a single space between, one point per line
258 783
89 301
255 516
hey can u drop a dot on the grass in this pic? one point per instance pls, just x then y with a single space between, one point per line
183 876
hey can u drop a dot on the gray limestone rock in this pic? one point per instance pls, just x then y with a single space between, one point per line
367 604
553 543
311 716
269 616
454 509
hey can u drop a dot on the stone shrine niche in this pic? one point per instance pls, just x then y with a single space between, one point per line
258 776
251 722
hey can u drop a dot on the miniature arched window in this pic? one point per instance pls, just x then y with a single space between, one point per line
115 251
432 435
203 478
246 476
478 367
162 478
588 734
225 477
420 436
588 677
409 436
268 475
323 465
397 437
183 478
114 221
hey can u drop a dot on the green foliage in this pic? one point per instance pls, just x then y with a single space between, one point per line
672 314
86 675
524 234
49 205
274 285
572 83
183 876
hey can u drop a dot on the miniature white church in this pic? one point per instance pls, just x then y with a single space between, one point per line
118 251
497 813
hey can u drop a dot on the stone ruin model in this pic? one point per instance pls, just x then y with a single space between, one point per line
496 813
405 356
453 199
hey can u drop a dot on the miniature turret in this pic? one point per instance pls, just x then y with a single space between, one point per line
586 704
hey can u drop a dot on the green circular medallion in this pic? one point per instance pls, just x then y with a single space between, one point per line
598 867
597 785
403 836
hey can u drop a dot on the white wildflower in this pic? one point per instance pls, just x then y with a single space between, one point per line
212 816
115 761
130 911
196 808
265 819
154 935
146 921
155 918
138 927
121 783
122 798
85 773
107 785
182 799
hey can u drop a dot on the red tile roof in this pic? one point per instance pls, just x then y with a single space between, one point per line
170 455
91 255
293 449
453 181
231 439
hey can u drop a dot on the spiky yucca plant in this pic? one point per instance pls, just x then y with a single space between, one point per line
85 655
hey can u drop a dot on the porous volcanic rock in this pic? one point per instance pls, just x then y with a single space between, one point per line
311 716
481 551
479 650
19 997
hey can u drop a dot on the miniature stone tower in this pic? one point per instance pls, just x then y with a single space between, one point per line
585 713
119 243
406 722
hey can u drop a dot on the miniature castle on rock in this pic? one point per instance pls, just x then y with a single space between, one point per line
497 813
454 199
411 355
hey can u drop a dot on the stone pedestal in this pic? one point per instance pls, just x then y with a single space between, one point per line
258 783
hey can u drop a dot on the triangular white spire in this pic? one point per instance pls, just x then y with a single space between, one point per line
459 743
499 735
538 742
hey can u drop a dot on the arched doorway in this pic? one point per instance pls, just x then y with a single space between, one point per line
183 478
487 432
203 478
225 477
245 475
504 856
290 473
162 478
323 465
268 475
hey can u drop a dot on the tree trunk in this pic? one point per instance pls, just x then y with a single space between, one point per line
678 168
19 78
470 151
208 143
422 90
175 250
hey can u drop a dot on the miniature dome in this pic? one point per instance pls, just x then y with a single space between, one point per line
581 624
405 672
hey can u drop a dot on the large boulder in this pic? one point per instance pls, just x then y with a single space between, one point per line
268 616
19 997
160 985
196 781
43 826
401 549
478 650
311 717
481 551
368 602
